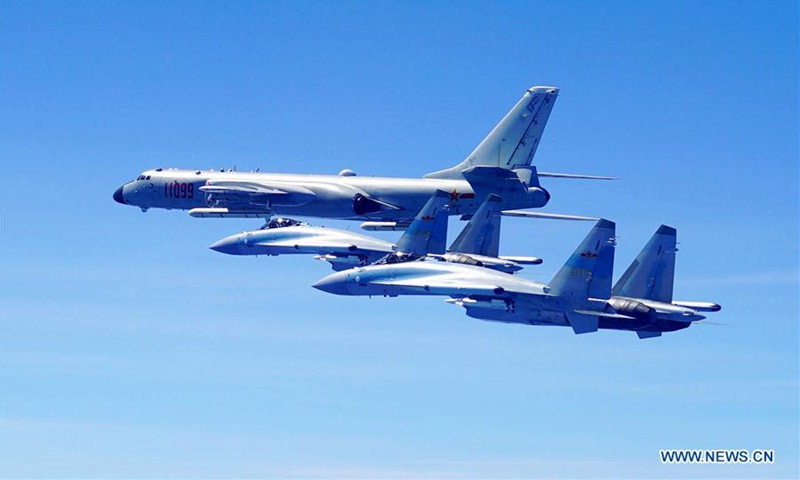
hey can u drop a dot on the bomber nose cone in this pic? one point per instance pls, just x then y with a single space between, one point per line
229 245
118 196
335 284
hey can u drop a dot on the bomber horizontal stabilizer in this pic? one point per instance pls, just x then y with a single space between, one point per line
549 216
576 176
487 179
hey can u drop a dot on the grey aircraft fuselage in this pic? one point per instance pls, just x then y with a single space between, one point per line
346 197
487 295
500 164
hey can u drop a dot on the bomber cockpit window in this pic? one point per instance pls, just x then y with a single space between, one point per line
147 177
282 223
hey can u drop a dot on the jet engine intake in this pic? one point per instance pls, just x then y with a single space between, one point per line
363 205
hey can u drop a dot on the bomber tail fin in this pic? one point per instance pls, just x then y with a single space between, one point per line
651 275
428 232
512 143
481 236
588 271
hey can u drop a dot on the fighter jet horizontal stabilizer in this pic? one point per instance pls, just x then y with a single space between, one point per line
582 322
644 335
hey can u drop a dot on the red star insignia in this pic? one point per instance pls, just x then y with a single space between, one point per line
454 194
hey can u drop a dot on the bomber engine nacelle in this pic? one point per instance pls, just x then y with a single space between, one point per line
537 196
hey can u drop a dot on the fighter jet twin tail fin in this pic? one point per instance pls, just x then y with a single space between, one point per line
652 273
587 274
427 234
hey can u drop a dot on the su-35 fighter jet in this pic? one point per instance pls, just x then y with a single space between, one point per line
478 244
579 296
500 164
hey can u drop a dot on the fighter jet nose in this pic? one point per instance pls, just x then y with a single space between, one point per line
335 284
118 196
229 245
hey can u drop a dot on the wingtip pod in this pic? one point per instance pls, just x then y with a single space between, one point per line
699 306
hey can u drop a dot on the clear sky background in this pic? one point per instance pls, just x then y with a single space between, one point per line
129 349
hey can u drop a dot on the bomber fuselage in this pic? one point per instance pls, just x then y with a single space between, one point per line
328 196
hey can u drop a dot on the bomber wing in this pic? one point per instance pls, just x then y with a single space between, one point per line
228 193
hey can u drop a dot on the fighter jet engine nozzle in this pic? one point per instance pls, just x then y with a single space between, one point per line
538 196
632 308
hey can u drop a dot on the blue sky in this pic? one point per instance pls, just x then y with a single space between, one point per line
129 349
